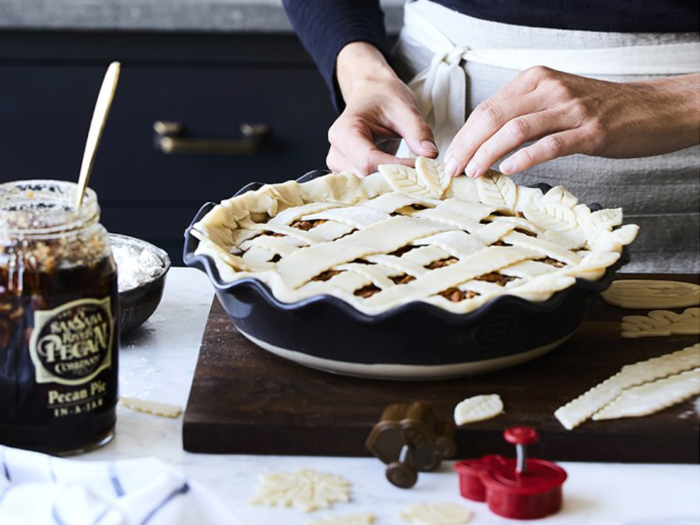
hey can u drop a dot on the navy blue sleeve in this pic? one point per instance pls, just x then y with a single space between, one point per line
326 26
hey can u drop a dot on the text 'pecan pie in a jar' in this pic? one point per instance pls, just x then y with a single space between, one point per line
407 272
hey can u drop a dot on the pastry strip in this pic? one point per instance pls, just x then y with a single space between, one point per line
583 407
651 397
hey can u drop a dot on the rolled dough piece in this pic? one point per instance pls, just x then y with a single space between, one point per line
478 408
577 411
366 518
651 397
307 490
438 513
659 323
642 293
151 407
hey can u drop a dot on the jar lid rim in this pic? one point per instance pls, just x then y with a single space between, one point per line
44 207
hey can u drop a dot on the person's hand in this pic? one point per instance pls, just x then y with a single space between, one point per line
568 114
380 110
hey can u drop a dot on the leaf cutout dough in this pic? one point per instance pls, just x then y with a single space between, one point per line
560 195
551 216
427 180
659 323
478 408
433 176
497 190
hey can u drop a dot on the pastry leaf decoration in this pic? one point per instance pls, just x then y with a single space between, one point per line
605 219
662 323
497 190
560 195
478 408
406 180
551 216
433 176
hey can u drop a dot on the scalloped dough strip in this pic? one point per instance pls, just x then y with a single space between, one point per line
151 407
651 397
642 293
583 407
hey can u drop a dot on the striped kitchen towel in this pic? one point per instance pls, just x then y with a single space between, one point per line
39 489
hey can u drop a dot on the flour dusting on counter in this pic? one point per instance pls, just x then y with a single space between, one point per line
136 266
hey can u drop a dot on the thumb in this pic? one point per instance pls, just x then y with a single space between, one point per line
417 134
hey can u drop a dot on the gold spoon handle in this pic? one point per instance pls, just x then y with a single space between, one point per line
99 117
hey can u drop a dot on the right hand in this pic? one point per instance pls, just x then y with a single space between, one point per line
380 110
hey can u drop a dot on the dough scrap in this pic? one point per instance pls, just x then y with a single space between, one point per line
366 518
659 323
151 407
651 397
478 408
438 513
307 490
583 407
641 293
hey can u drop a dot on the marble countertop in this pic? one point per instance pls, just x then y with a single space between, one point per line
158 361
265 16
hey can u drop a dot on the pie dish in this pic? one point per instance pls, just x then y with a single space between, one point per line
402 255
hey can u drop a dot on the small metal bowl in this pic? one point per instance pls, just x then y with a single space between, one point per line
138 304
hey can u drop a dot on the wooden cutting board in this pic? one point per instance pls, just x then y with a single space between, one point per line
247 401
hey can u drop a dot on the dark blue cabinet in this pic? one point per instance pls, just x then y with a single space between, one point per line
210 84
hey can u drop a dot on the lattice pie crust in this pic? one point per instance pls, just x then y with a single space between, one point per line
405 234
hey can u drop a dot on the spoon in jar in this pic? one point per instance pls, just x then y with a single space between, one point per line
99 117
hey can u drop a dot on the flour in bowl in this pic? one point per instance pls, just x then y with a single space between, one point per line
136 266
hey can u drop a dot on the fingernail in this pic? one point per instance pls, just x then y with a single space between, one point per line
429 146
472 168
451 167
507 166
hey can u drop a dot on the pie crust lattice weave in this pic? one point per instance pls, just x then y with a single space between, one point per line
411 234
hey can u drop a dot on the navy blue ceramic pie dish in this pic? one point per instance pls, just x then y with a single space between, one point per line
414 341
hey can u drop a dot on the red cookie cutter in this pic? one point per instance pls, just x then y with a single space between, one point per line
514 488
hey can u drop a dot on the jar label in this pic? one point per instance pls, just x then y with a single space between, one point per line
72 343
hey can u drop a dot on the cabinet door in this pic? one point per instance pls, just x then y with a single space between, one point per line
45 111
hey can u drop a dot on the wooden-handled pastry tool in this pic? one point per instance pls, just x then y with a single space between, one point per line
99 117
409 439
518 488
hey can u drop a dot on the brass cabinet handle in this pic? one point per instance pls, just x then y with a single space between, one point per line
170 140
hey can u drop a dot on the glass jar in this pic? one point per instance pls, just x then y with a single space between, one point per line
59 336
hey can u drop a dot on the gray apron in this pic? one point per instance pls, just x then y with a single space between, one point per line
453 62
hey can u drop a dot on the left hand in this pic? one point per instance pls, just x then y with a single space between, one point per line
567 114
